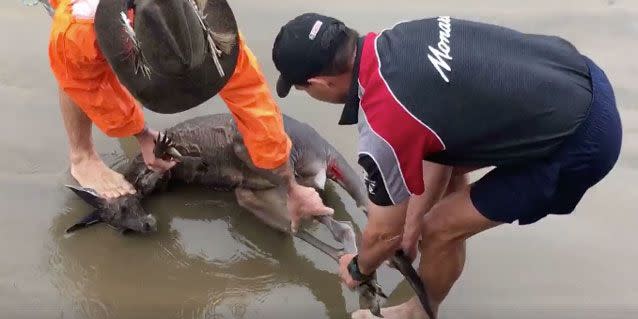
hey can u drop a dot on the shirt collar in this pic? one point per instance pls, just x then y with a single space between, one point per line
350 113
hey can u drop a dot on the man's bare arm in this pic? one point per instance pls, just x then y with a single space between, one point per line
382 235
436 178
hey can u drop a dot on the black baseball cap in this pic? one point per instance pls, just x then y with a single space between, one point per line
304 47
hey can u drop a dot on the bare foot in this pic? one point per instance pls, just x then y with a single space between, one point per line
407 310
91 172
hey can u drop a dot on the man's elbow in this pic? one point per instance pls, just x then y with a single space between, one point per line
269 154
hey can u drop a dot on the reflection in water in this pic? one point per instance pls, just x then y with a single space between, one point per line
207 261
210 259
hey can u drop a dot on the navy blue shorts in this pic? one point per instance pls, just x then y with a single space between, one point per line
555 184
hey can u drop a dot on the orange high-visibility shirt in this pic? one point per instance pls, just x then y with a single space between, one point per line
84 74
258 117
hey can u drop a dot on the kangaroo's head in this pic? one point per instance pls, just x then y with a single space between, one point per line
124 213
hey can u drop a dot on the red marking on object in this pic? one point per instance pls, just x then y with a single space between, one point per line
334 171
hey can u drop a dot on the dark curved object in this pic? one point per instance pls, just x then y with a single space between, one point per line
404 266
401 263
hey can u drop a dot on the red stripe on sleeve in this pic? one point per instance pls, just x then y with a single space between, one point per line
410 139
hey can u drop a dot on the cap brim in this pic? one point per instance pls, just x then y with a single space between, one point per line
283 87
158 92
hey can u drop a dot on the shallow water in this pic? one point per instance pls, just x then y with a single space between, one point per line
211 259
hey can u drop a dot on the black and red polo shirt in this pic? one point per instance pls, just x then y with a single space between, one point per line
459 93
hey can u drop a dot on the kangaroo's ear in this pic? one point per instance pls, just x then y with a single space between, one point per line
88 195
88 220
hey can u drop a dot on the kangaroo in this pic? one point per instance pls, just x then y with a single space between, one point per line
211 153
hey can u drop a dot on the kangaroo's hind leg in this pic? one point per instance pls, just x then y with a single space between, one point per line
342 232
270 207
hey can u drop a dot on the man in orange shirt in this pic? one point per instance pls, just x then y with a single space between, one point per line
109 56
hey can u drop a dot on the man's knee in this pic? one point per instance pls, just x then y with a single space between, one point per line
437 227
454 218
458 181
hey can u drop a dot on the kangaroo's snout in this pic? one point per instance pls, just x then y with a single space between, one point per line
149 224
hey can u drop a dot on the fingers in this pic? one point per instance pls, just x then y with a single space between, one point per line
166 165
294 226
351 284
315 204
318 211
345 274
315 207
161 166
305 202
295 218
327 211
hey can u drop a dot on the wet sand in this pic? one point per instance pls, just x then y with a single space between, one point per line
213 260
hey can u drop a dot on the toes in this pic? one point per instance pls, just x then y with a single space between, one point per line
119 192
115 185
106 182
102 190
126 187
109 194
129 189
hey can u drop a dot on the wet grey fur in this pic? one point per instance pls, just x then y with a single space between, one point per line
212 154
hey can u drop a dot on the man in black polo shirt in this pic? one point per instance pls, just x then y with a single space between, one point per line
437 98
